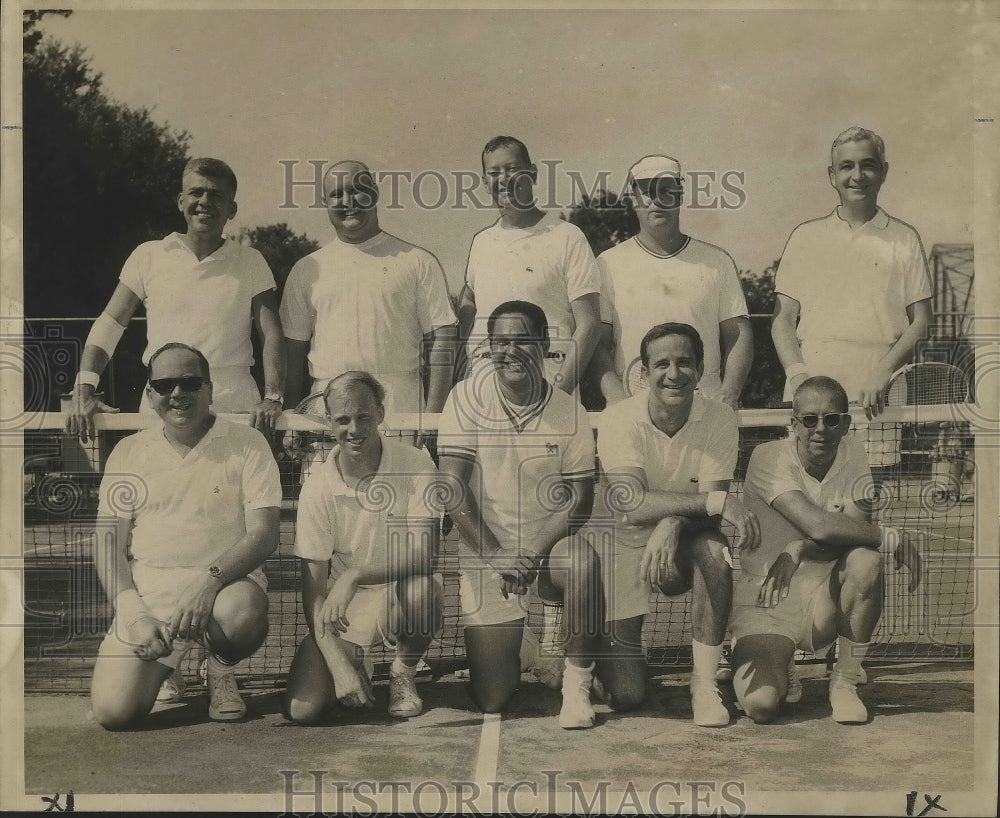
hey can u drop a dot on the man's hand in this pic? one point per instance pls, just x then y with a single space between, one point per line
873 391
265 416
779 576
80 420
516 572
152 641
728 395
745 522
194 608
333 615
659 564
906 553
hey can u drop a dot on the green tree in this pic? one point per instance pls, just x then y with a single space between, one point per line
767 379
605 219
100 177
281 248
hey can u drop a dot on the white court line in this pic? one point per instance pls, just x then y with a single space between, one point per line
489 751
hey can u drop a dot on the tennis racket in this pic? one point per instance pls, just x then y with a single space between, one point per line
634 378
926 383
300 445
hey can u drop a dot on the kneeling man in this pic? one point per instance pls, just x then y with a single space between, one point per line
817 576
200 496
366 533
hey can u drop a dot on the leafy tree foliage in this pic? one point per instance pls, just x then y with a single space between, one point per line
100 177
281 248
766 379
605 219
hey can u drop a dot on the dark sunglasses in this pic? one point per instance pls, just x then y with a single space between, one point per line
830 421
164 386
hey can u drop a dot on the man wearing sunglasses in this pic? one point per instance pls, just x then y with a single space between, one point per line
195 502
662 274
816 577
204 289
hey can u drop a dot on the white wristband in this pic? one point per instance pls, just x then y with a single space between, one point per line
88 378
890 538
715 502
796 369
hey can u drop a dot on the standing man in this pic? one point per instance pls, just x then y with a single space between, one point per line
518 458
662 274
530 255
853 289
201 288
817 576
367 301
195 503
355 513
669 455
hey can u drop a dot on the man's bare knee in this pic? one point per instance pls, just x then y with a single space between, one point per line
301 711
863 566
115 716
762 706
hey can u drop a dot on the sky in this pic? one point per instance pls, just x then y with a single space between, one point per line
757 95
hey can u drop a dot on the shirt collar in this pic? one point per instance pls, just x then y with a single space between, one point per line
339 487
176 241
880 221
835 466
696 414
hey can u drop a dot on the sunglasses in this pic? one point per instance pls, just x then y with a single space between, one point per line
164 386
830 421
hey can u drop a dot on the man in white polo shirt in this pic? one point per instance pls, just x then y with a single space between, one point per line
531 255
203 289
669 455
517 458
194 501
662 274
367 301
817 575
364 580
853 290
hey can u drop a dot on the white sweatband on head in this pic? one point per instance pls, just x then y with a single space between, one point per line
890 538
129 607
87 378
105 334
796 369
715 502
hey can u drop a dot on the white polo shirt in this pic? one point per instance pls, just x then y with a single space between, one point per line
189 510
697 285
520 461
702 451
549 264
853 287
775 469
205 304
352 528
367 306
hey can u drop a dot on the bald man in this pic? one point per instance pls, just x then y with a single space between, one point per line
367 301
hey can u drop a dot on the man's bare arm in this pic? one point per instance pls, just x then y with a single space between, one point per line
296 371
737 357
586 316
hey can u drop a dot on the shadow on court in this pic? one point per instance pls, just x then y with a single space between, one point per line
920 736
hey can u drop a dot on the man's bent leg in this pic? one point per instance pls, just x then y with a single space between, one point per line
760 673
621 665
124 687
494 662
420 608
310 692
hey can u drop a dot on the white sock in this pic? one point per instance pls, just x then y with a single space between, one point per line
217 666
400 668
705 660
574 674
850 655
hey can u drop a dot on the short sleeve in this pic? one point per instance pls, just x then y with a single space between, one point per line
578 459
456 434
582 275
732 302
792 276
916 275
471 265
433 302
261 481
607 291
768 475
620 439
718 461
135 269
315 534
255 268
296 312
122 490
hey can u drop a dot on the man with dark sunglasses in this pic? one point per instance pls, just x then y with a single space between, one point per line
195 502
816 577
662 274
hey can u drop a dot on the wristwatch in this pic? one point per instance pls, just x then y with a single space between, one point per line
277 397
216 572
